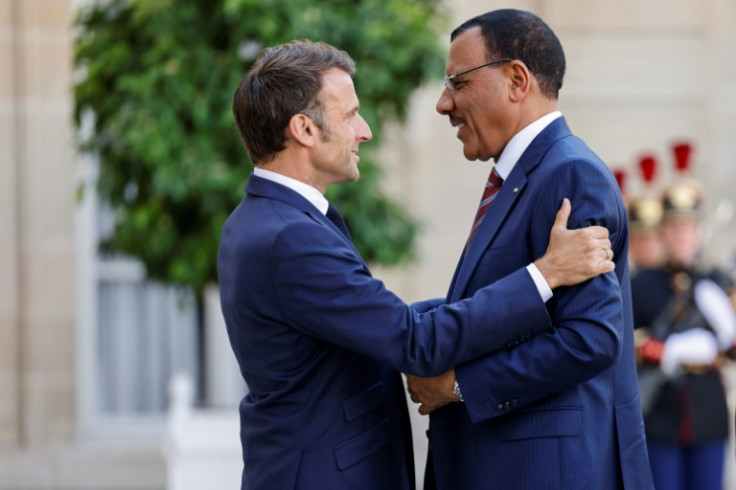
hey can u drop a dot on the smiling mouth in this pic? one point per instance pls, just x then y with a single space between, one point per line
457 123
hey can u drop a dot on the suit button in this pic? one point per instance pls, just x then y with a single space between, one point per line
514 402
500 407
507 405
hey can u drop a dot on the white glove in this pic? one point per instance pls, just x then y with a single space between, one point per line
694 346
716 307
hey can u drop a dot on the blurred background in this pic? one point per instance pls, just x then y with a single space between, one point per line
119 163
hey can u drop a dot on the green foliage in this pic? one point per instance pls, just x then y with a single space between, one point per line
158 77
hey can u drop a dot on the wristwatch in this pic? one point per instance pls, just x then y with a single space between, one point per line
456 391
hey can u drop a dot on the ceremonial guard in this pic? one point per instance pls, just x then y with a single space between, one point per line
686 327
645 215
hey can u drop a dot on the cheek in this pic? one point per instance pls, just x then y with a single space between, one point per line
486 121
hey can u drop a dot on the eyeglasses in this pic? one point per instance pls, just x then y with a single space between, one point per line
450 78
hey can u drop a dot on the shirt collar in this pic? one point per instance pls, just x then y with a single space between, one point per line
519 143
306 191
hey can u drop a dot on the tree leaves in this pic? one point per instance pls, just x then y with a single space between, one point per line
158 76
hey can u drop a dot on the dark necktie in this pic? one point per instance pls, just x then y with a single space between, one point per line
489 194
334 215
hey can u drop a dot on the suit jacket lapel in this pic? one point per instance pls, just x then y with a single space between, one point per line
259 186
511 190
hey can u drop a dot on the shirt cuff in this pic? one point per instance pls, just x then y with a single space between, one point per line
544 291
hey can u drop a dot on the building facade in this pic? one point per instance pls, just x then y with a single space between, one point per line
87 346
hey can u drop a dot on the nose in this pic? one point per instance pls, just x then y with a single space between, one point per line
363 131
446 103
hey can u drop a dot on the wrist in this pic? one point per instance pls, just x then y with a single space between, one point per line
548 276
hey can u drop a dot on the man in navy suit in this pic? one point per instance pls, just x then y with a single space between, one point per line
559 410
318 339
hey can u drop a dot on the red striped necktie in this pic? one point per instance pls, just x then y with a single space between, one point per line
489 194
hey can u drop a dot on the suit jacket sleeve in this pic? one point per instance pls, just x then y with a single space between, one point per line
427 304
588 318
325 290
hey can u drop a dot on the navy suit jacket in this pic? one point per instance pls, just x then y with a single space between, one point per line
319 342
559 410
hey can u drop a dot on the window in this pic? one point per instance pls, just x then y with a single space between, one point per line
133 335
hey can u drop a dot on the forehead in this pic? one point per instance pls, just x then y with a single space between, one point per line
338 89
467 50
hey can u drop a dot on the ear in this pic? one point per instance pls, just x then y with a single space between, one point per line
302 129
520 80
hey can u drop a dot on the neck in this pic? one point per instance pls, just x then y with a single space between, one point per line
294 165
535 107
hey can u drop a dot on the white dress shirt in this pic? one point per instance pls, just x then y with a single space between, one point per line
308 192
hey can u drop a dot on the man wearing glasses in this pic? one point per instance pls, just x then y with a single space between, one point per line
318 339
559 410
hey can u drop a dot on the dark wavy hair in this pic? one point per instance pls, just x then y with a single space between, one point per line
523 36
284 80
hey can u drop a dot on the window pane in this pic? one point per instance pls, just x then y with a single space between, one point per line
146 333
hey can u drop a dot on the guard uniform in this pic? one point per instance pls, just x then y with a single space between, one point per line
684 333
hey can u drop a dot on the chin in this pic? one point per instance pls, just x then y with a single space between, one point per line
473 154
353 176
469 155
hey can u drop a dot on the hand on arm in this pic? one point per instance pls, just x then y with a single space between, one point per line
432 393
574 256
588 319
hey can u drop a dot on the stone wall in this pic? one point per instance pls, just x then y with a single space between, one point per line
639 75
37 227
